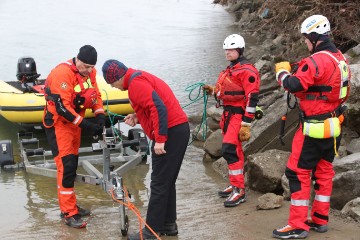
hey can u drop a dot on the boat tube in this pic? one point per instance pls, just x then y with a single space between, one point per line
23 101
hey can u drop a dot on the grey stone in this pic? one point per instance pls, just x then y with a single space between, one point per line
266 169
269 201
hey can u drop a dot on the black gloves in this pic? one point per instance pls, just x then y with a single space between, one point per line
93 129
100 120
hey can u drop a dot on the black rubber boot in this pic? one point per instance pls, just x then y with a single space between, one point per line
146 234
170 229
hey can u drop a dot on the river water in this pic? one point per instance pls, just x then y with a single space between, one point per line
178 40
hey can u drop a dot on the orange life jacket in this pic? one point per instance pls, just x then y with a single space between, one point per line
227 87
82 98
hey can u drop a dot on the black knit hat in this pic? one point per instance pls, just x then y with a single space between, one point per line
87 54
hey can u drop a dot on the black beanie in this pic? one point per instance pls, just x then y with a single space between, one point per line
87 54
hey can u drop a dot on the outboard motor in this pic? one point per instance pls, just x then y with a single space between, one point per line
26 70
28 76
6 153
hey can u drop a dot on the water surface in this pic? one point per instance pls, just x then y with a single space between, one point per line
179 41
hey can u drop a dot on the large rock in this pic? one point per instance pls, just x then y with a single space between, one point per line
265 132
215 113
353 103
213 144
220 166
352 209
354 146
266 169
269 201
350 162
346 187
212 123
198 132
286 187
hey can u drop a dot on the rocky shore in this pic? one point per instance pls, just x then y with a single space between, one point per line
275 25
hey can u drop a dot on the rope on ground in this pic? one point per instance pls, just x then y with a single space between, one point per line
201 94
127 203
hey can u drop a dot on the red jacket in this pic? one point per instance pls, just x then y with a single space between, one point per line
156 106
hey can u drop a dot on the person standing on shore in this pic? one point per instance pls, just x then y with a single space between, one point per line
321 83
70 89
237 90
166 124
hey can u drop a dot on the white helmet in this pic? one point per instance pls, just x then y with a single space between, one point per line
316 23
234 41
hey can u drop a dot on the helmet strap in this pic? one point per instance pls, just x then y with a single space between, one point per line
240 51
314 38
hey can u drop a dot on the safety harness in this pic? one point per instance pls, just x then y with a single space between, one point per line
231 110
338 82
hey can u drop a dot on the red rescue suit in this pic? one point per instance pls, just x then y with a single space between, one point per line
237 89
316 84
68 95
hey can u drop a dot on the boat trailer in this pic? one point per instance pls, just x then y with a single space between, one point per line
126 153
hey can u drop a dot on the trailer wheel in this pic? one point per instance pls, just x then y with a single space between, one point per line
124 231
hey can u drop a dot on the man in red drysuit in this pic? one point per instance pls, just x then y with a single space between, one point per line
321 83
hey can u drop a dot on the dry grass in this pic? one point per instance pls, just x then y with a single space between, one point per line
285 16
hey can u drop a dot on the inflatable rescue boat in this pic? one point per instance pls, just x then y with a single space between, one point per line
23 101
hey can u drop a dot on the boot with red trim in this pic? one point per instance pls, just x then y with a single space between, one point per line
75 221
226 192
236 197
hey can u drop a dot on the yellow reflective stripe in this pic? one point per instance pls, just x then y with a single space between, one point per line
299 203
236 172
87 84
343 92
344 71
322 198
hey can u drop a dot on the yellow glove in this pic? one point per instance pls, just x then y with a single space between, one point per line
282 66
244 133
209 89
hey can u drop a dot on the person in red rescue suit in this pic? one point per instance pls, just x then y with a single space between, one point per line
166 124
70 89
237 89
321 84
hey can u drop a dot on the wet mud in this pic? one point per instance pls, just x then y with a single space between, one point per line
201 214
